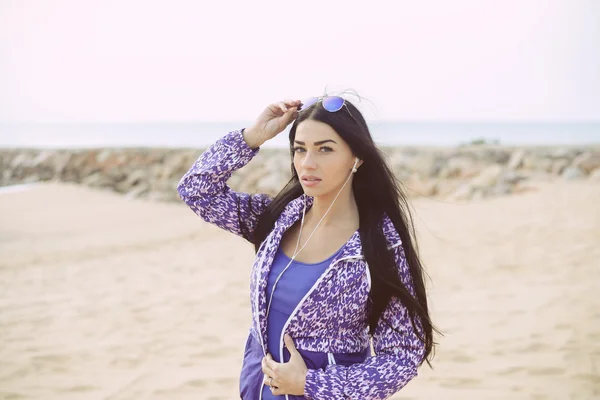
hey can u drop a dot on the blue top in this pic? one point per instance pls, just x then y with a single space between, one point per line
293 285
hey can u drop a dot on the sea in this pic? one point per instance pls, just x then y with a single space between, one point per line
202 134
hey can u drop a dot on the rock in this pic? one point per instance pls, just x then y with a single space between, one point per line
272 183
458 167
478 194
502 189
572 173
276 163
251 178
595 175
235 182
425 165
6 175
418 187
60 161
97 179
103 156
559 166
43 158
21 160
31 179
488 177
136 177
561 153
496 156
445 187
162 186
399 158
516 159
137 191
534 162
176 164
510 177
401 172
587 162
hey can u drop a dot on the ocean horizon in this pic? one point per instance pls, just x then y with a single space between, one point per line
202 134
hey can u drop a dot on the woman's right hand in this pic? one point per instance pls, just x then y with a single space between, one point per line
273 120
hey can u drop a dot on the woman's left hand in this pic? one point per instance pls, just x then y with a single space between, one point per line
288 378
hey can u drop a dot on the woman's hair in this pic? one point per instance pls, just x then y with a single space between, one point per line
377 191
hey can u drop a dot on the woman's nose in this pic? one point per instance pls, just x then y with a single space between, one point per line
309 161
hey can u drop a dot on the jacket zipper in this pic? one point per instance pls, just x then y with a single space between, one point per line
330 359
260 338
300 304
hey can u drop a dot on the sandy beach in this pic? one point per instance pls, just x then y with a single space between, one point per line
106 297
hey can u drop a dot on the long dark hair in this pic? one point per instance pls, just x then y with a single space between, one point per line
376 191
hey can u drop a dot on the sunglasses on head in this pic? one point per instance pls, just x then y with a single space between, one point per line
330 103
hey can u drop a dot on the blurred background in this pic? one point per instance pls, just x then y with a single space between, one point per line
488 112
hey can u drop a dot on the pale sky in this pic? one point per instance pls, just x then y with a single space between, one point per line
138 61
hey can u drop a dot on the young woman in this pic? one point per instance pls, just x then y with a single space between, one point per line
336 262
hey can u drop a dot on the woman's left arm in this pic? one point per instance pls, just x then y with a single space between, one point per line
397 357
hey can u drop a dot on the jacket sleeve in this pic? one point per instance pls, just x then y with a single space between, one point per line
203 188
397 356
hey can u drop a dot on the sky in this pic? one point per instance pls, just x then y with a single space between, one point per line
186 61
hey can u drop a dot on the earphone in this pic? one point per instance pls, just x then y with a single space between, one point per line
355 162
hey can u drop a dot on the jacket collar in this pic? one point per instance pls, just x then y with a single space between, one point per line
353 247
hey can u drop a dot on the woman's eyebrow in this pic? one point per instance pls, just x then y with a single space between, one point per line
316 143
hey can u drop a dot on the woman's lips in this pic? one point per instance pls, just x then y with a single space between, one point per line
310 181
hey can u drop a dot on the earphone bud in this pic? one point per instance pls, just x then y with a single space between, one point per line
354 169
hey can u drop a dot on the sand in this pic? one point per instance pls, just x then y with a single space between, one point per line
103 297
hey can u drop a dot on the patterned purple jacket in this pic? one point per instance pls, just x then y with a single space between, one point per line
331 320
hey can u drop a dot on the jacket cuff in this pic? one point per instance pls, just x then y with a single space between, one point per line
235 139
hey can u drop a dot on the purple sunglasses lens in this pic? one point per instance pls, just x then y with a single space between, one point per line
333 103
307 103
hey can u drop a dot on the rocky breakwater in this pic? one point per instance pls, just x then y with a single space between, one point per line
457 174
472 172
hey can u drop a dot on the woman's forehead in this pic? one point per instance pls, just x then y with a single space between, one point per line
311 131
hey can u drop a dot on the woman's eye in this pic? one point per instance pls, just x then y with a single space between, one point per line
328 149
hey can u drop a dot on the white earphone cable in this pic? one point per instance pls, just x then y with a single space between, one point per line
307 240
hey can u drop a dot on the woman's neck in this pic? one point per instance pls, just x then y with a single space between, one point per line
343 213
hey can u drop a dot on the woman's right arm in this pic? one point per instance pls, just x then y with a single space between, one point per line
204 187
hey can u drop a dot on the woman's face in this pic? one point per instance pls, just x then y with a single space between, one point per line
320 152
